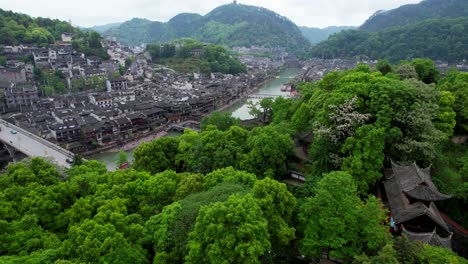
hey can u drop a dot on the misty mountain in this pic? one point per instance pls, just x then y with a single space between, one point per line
103 28
315 35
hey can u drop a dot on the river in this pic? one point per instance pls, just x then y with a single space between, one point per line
271 87
239 110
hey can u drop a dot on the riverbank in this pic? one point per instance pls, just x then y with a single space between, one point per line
160 131
271 85
135 143
244 96
128 145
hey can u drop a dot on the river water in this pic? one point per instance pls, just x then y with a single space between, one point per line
272 87
239 110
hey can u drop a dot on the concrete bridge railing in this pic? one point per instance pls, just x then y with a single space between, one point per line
37 138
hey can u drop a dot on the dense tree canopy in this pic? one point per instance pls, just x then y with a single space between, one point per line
18 28
215 196
230 25
438 39
91 215
336 220
207 57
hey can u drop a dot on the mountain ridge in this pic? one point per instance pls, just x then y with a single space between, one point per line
412 13
231 25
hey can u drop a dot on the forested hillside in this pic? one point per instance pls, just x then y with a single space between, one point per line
178 55
442 39
217 197
231 25
435 29
408 14
16 28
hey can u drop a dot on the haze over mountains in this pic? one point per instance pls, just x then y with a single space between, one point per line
316 35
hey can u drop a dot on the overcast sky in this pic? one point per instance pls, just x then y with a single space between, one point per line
314 13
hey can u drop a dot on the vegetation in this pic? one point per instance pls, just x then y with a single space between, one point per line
188 55
215 196
263 151
17 29
443 39
409 14
230 25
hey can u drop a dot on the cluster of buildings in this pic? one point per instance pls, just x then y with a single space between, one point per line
315 69
144 100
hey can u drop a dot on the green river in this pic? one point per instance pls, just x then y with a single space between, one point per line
239 110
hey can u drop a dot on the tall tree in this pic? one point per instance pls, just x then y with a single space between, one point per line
230 232
338 223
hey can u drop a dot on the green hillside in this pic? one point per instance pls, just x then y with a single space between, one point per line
445 39
16 28
408 14
232 25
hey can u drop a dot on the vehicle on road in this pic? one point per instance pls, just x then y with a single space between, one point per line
69 161
13 132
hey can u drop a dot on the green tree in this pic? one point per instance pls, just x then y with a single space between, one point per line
406 71
228 175
386 255
438 255
168 232
337 222
222 121
269 150
277 204
384 66
93 242
229 232
122 158
426 70
366 156
157 156
77 160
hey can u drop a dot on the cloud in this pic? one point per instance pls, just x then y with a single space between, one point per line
318 13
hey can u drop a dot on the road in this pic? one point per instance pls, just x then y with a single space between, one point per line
32 145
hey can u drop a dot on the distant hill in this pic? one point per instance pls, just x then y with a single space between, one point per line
104 28
444 39
408 14
232 25
315 35
436 29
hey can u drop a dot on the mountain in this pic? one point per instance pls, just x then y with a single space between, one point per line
438 39
104 28
408 14
436 29
315 35
232 25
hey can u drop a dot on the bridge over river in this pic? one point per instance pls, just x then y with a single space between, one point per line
18 139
